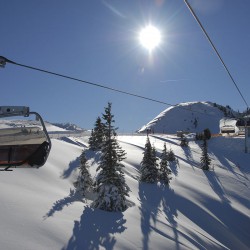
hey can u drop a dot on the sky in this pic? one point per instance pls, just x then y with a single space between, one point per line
97 41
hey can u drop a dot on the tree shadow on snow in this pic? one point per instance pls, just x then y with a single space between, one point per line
215 225
132 144
189 156
152 196
71 141
165 140
60 204
226 160
174 165
191 162
230 158
220 226
216 185
91 232
72 167
93 156
149 209
170 209
128 172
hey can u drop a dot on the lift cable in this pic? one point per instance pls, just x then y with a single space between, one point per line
215 50
83 81
4 60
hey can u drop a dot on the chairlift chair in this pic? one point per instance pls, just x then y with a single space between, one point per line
23 146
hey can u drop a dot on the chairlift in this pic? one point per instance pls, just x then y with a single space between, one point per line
23 146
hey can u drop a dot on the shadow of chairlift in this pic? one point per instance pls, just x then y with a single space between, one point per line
25 146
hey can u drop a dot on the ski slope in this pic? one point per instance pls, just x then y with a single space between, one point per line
199 210
188 116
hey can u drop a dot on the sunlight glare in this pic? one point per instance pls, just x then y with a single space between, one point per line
150 37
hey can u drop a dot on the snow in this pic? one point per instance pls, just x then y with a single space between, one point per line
189 116
199 210
27 123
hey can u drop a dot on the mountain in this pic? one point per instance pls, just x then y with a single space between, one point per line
68 126
51 127
13 123
190 117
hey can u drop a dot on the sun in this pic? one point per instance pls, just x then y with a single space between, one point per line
150 37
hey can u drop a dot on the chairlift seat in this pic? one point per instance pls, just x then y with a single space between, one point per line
26 146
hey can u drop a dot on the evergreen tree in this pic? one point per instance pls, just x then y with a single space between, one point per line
92 140
149 171
205 159
154 159
171 155
195 122
184 141
84 181
164 170
97 135
110 183
207 134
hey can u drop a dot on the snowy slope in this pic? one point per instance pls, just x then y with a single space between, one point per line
27 123
200 210
68 126
189 116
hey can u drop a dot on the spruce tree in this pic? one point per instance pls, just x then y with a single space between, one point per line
164 170
205 159
171 155
84 181
92 140
97 135
206 134
195 122
110 183
155 159
148 170
184 141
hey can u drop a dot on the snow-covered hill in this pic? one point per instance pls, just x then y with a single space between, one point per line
200 210
27 123
68 126
189 116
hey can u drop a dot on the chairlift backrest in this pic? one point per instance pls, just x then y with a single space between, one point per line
25 146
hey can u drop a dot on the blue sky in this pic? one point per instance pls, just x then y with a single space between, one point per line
97 41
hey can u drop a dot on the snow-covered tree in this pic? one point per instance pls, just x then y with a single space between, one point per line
164 170
205 159
84 182
97 135
155 159
171 155
110 183
92 140
148 170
